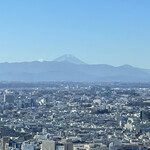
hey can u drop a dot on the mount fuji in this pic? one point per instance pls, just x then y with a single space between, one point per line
69 58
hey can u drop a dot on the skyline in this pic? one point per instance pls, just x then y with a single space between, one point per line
99 32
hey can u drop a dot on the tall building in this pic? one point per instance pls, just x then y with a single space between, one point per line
9 98
145 115
68 145
5 140
48 145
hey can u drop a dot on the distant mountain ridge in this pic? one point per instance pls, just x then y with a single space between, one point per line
71 69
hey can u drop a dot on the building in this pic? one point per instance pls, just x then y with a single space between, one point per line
48 145
68 145
9 98
27 146
5 141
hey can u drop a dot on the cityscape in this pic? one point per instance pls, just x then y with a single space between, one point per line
74 74
75 116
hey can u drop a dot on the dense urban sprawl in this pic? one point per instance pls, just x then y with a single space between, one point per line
75 116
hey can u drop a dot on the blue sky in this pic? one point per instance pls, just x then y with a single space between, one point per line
114 32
